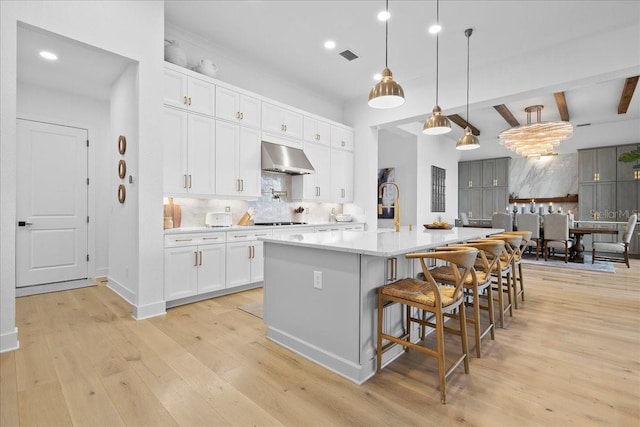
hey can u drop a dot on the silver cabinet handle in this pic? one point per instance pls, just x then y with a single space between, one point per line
189 101
241 116
209 238
196 254
237 236
200 252
182 240
237 185
185 181
343 193
185 100
249 251
189 180
241 184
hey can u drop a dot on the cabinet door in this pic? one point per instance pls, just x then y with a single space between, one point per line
238 264
175 89
606 200
501 173
587 201
317 131
202 96
341 176
463 175
500 199
475 173
628 195
316 186
211 268
202 154
227 152
257 262
488 173
625 171
249 111
475 203
463 200
174 145
249 162
607 164
227 104
180 272
292 124
272 120
587 165
487 202
342 138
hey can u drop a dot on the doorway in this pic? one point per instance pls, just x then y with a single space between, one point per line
51 203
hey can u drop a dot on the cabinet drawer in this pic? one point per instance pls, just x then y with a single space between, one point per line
241 236
193 239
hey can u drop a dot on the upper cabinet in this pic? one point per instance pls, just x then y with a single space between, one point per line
317 131
341 138
626 172
470 174
315 187
495 172
237 107
281 122
598 164
341 176
189 93
237 169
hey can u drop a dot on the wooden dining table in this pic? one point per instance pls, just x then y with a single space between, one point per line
577 251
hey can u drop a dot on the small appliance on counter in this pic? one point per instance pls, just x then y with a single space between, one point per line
218 219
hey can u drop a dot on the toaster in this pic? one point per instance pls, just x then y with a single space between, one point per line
218 219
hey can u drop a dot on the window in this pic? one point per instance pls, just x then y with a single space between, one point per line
438 176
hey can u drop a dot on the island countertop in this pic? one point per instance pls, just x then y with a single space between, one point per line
383 243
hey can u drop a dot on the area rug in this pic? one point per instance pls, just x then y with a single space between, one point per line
602 266
255 308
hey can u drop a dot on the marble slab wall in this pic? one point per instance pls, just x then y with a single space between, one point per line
556 176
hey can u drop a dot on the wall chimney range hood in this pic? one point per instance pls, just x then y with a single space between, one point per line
284 159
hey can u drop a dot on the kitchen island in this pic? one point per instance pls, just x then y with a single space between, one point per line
320 291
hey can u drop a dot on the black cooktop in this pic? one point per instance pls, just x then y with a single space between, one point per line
280 223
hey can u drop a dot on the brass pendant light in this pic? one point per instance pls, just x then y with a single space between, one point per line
437 124
387 93
468 141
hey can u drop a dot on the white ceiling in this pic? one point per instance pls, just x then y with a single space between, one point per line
287 37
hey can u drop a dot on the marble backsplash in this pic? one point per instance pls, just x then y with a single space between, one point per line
274 205
556 176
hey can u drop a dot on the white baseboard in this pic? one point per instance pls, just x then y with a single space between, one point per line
53 287
121 290
140 312
9 341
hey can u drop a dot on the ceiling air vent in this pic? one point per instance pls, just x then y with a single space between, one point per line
348 55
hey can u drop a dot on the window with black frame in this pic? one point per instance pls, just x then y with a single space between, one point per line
438 178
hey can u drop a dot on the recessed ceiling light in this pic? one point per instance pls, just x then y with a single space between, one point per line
330 44
377 77
48 55
384 15
435 28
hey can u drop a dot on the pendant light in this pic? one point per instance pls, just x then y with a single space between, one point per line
468 141
437 124
386 93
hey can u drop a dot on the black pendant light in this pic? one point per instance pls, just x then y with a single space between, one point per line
468 141
387 93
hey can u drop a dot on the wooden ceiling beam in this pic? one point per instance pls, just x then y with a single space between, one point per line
627 93
561 102
506 114
457 119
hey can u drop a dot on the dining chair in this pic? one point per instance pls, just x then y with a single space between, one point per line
617 247
502 220
556 234
464 219
530 222
431 296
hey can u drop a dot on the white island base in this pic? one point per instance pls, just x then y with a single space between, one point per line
320 292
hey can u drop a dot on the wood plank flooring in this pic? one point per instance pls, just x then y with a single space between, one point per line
569 356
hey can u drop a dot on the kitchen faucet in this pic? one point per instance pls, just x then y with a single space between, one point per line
396 211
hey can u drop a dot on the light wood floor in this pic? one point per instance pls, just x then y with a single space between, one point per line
570 356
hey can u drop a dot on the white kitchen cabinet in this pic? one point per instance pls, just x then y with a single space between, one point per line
189 93
237 171
341 176
281 122
245 257
314 187
340 227
193 264
237 107
341 138
189 153
287 231
317 131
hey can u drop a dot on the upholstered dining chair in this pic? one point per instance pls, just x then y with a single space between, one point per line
464 219
611 250
530 222
488 256
502 220
434 297
556 234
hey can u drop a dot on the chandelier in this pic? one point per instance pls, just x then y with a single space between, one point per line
536 139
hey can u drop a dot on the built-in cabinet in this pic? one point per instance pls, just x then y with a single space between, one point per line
341 176
245 257
237 165
182 90
317 131
281 121
483 187
237 107
341 138
194 264
314 187
597 164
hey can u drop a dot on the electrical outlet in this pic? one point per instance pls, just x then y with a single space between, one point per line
227 208
317 279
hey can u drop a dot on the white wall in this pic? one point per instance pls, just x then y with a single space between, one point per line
43 104
134 30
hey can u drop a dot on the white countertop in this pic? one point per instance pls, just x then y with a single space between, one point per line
203 229
383 243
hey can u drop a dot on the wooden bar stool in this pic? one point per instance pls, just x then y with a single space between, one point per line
489 252
507 261
430 297
526 237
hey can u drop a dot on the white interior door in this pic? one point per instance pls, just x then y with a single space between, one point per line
52 190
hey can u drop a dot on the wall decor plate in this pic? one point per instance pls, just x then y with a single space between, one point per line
122 193
122 144
122 169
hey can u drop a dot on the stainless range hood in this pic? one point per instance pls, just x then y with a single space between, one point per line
284 159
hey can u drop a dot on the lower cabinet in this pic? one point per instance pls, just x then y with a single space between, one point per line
245 257
193 264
